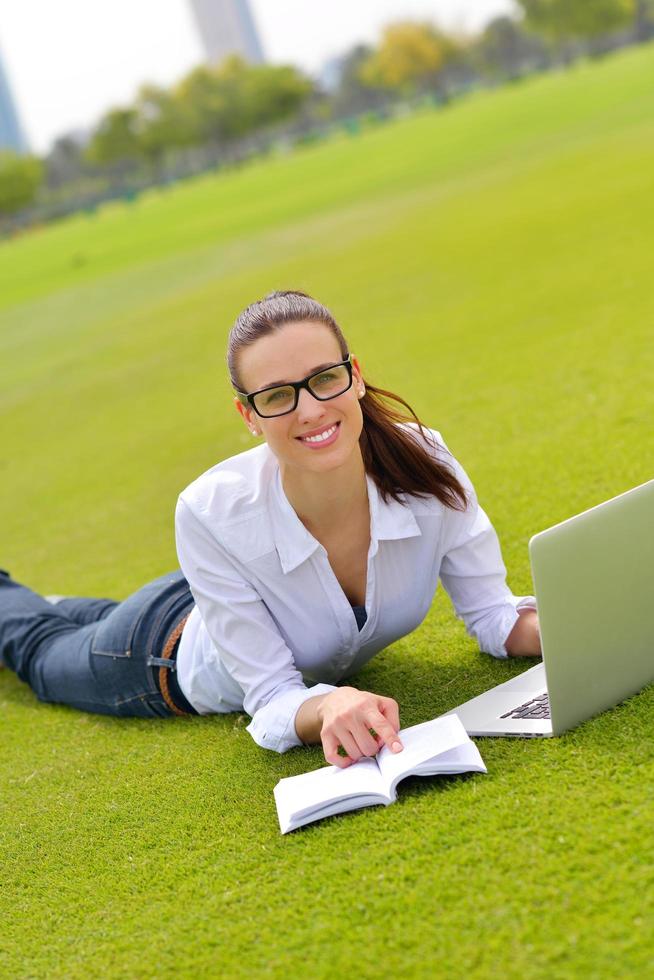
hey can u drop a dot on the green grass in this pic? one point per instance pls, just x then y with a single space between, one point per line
493 263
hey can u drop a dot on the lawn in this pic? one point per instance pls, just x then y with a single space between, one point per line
492 262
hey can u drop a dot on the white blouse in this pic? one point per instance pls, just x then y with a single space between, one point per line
272 626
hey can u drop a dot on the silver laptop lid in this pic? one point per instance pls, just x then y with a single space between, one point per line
594 580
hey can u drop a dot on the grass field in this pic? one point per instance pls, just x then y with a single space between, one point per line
491 262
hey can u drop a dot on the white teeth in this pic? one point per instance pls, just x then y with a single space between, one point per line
320 438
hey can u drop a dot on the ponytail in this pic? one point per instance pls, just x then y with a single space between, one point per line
394 458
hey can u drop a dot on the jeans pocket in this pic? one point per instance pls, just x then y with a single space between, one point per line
114 635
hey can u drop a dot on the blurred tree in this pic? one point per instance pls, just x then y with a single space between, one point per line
643 19
66 161
505 49
116 138
565 20
235 98
273 93
161 123
411 56
20 180
351 94
201 102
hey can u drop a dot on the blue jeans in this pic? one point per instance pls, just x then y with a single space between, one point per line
97 655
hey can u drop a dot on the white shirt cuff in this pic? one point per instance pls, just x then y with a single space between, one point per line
273 726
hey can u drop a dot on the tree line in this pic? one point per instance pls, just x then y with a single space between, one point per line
218 114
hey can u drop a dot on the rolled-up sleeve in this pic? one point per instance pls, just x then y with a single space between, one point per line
247 640
474 576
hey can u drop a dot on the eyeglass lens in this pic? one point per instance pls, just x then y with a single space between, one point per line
326 384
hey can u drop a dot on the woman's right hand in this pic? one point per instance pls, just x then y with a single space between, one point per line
347 717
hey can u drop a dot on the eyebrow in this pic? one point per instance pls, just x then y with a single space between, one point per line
320 367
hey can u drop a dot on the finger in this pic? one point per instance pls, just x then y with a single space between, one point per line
349 743
367 743
389 708
377 737
355 741
388 734
330 746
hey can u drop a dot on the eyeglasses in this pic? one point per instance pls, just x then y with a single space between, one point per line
331 382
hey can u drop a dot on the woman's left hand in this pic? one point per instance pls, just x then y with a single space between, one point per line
524 638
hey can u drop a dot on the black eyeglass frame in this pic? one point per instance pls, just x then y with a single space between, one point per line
248 397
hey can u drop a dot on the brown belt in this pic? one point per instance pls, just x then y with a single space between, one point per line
168 651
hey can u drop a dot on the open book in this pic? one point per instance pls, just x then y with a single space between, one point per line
433 748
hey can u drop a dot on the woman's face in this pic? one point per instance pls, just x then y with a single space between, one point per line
291 354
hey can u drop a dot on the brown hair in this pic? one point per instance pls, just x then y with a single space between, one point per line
392 455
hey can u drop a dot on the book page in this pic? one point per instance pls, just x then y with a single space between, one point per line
464 758
422 743
298 795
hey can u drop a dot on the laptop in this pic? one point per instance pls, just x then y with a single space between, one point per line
594 584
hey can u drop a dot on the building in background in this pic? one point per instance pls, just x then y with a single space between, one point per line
11 134
227 27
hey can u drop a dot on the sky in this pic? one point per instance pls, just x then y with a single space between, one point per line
70 60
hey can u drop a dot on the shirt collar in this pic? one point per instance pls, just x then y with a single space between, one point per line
389 521
293 542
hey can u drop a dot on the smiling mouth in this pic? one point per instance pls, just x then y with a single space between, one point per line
327 435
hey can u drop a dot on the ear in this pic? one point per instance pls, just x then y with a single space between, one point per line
248 416
358 383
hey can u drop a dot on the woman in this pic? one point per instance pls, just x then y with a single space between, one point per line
300 559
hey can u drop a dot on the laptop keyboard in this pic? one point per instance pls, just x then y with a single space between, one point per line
536 708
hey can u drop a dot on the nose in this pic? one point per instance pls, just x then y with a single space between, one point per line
309 409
